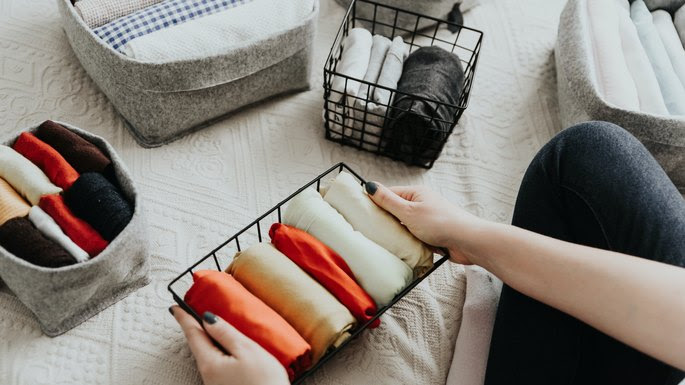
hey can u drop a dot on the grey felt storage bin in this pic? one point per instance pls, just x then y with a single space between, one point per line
579 99
62 298
163 101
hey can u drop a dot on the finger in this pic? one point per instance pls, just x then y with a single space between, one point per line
387 199
200 345
226 334
405 192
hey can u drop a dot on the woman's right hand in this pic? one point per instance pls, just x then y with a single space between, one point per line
430 217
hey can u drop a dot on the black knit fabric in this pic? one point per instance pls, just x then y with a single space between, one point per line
96 200
21 238
417 129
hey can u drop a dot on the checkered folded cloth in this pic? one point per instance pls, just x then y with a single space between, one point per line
96 13
159 16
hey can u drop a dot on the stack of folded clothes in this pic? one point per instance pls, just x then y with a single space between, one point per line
59 200
331 264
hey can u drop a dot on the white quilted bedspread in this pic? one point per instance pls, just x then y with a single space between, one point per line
202 188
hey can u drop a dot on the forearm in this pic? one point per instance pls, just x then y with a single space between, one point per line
634 300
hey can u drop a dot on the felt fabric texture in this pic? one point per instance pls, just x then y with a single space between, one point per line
347 196
679 21
50 230
668 5
82 155
579 100
100 12
167 14
24 176
55 167
470 357
614 80
75 228
12 205
161 103
218 33
669 37
353 63
671 87
326 267
97 201
61 300
19 237
416 129
314 312
638 64
223 295
381 274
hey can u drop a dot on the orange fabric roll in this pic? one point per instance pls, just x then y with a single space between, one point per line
75 228
58 170
12 205
219 293
326 267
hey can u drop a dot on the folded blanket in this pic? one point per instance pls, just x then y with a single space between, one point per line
100 12
638 64
417 129
380 273
326 267
19 237
221 294
347 196
614 80
314 312
668 5
679 21
24 176
93 198
669 83
81 154
49 228
12 205
669 37
57 169
221 32
75 228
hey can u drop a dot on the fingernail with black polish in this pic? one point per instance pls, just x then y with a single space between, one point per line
371 188
209 317
171 310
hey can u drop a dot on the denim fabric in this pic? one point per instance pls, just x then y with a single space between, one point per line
596 185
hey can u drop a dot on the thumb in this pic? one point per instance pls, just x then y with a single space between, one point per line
387 199
226 334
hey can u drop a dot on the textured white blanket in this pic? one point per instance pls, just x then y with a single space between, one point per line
203 188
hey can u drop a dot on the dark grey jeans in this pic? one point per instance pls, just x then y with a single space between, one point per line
596 185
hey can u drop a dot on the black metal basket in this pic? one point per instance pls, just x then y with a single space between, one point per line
222 255
349 124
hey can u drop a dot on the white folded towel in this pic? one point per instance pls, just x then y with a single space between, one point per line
221 32
379 272
391 71
24 176
679 21
669 36
51 230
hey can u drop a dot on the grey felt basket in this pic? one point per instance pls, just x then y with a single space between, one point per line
579 99
62 298
163 101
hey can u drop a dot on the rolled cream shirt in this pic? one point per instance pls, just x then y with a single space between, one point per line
347 196
12 205
24 176
378 271
49 228
311 310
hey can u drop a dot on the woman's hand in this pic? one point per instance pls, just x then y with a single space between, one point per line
247 364
430 217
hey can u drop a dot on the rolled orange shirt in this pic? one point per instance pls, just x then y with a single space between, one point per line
326 267
58 170
219 293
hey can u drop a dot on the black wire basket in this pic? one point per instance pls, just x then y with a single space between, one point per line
222 255
348 119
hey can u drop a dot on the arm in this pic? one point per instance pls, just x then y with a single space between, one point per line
637 301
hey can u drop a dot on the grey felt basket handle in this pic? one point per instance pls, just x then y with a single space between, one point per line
62 298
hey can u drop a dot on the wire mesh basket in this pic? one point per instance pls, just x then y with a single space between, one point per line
222 255
348 120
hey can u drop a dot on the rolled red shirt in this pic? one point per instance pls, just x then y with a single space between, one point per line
219 293
57 169
326 267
